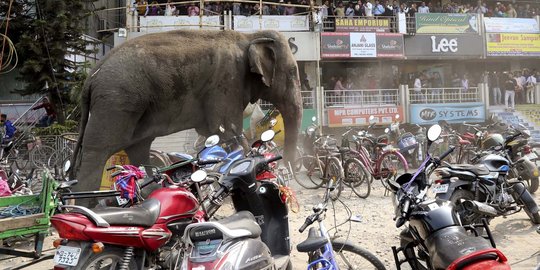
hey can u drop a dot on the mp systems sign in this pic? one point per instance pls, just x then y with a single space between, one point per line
443 46
426 114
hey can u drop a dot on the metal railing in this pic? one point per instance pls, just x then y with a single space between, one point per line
308 101
444 95
363 97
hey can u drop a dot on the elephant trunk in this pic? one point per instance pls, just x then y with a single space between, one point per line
292 118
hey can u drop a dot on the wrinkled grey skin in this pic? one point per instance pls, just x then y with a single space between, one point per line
162 83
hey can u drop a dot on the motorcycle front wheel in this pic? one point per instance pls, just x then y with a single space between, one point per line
522 195
111 258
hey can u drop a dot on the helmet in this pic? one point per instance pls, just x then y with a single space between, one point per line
492 140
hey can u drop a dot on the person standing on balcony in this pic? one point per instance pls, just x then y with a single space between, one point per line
324 9
193 10
436 84
378 10
510 86
368 7
349 12
340 10
511 12
50 115
170 9
142 8
418 88
423 8
530 86
359 9
495 82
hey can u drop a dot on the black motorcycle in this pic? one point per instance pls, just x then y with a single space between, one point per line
435 237
489 184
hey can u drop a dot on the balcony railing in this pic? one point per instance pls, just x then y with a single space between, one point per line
308 101
363 97
444 95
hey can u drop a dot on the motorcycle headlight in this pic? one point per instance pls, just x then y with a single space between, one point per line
310 131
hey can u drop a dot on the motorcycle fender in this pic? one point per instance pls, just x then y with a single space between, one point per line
522 194
452 187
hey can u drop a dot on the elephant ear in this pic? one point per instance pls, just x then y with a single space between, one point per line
262 59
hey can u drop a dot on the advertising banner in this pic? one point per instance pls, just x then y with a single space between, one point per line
271 22
152 24
359 116
361 45
446 23
511 25
441 46
513 44
426 114
363 25
304 45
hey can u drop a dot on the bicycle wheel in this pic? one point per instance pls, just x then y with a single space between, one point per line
391 166
357 178
313 178
350 256
334 173
39 155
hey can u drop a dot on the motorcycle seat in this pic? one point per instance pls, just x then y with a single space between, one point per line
241 224
144 214
476 169
451 243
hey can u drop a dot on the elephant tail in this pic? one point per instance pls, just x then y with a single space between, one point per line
85 113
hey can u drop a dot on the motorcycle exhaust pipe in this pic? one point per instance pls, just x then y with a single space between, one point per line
480 208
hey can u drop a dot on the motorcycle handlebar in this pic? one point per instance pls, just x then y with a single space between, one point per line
218 194
208 162
276 158
450 150
512 137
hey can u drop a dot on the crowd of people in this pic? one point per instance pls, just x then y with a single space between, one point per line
173 8
512 87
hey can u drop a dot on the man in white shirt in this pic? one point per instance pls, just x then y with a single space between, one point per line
423 8
529 88
418 89
368 8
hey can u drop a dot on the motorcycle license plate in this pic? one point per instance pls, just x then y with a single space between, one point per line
67 256
440 188
531 156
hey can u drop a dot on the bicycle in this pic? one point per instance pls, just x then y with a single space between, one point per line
384 165
324 251
66 144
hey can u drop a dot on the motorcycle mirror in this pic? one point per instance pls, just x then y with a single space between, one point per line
221 129
372 119
211 141
67 165
273 122
313 119
397 116
198 176
386 130
528 132
434 132
268 135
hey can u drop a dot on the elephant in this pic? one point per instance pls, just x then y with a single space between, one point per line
162 83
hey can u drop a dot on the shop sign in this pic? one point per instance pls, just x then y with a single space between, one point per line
359 116
153 24
511 25
304 45
426 114
446 23
271 22
437 46
513 44
361 45
363 25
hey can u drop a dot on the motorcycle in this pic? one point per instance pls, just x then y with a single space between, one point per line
434 237
407 143
256 237
144 235
489 185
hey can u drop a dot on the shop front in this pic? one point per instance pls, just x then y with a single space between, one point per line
360 76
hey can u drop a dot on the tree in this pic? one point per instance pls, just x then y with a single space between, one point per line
45 32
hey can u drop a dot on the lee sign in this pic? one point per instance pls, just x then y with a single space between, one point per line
443 45
437 46
359 116
452 112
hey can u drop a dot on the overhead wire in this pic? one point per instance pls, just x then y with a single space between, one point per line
10 43
11 56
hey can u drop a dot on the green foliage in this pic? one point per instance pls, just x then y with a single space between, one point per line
69 126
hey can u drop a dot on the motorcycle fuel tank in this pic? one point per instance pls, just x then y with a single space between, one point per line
431 216
176 202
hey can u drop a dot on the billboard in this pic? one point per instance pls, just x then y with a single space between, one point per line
511 25
359 116
363 24
499 44
446 23
152 24
304 45
443 45
270 22
427 114
361 45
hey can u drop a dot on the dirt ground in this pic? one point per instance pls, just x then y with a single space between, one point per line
514 235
